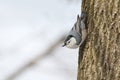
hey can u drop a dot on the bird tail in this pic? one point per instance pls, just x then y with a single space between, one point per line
83 16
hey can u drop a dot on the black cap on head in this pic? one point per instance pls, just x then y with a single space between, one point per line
68 37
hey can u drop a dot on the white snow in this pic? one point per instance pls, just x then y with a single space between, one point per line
27 29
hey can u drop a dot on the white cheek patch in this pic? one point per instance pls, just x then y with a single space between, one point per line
72 43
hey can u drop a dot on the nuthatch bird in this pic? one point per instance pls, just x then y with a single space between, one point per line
78 33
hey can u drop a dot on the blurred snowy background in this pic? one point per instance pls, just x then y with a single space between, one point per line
28 28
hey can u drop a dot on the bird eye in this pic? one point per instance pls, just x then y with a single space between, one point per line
68 41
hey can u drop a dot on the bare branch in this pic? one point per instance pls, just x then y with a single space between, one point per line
36 59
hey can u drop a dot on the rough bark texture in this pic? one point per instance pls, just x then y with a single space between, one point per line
101 55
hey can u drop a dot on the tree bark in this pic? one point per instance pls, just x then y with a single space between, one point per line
100 59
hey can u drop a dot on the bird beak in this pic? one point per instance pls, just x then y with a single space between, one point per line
63 45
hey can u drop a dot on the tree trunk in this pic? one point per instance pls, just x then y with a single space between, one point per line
100 59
